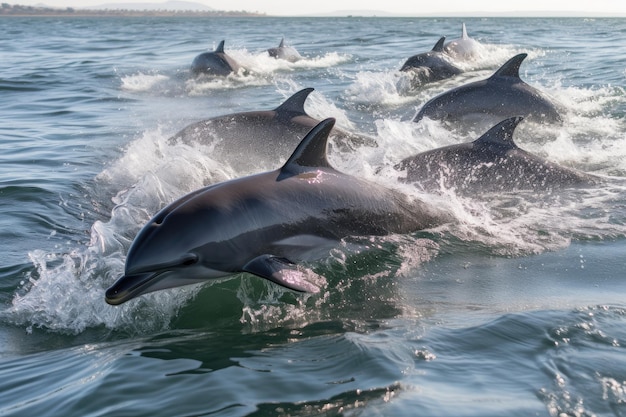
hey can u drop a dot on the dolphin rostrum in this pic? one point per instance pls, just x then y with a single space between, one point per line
264 224
491 163
214 63
489 101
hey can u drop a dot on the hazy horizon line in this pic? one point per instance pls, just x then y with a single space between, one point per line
344 13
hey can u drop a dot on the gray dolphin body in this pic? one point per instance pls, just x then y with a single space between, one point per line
433 65
491 163
263 224
282 51
488 101
269 135
463 47
214 63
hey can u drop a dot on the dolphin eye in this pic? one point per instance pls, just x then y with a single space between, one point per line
189 260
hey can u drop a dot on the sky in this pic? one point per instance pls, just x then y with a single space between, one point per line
411 7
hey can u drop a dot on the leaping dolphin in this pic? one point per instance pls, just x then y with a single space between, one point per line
433 65
269 135
491 163
288 53
265 224
489 101
214 63
463 47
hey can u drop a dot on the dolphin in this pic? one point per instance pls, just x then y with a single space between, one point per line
491 163
265 224
288 53
463 47
433 65
214 63
269 135
489 101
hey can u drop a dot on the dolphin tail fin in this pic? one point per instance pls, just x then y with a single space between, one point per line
464 32
285 273
439 45
311 152
294 105
220 47
511 67
501 135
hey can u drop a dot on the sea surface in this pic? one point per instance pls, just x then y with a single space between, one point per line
518 308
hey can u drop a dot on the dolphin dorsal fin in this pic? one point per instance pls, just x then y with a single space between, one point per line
311 152
511 67
501 135
220 47
282 43
464 32
439 45
294 105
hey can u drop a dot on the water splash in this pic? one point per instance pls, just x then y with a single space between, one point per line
140 81
64 291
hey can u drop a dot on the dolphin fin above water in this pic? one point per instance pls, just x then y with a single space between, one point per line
293 106
501 135
511 67
310 153
464 34
220 48
439 45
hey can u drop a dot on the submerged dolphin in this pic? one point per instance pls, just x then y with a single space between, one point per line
433 65
288 53
488 101
214 63
269 135
265 223
491 163
463 47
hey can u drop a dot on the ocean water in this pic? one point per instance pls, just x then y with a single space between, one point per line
516 309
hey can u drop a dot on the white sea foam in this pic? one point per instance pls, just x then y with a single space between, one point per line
259 69
140 81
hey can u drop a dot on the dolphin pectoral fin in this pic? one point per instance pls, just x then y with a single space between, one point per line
284 272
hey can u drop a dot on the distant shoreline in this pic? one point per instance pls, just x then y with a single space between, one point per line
8 10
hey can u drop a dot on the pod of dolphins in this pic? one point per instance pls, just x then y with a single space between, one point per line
272 224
